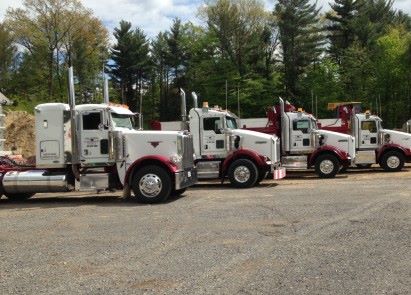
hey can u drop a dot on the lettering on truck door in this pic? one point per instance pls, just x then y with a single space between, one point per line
94 138
301 135
368 135
213 137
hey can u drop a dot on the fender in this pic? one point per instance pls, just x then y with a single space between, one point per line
392 146
171 167
343 156
242 153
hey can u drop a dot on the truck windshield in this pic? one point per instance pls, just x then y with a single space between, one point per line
314 124
123 121
231 122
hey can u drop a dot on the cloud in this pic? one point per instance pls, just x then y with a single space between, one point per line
154 16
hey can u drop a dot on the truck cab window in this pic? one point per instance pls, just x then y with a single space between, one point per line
231 122
212 123
369 125
302 125
91 121
123 121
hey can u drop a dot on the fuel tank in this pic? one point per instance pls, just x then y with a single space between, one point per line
34 181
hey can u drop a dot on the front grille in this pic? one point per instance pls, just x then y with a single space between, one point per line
188 151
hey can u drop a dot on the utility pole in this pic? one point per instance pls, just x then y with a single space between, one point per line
238 101
141 103
312 101
226 94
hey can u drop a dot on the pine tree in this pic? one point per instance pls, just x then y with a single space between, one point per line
131 62
374 17
300 39
341 26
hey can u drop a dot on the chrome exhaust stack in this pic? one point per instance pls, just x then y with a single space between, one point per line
106 99
195 99
285 136
183 110
75 160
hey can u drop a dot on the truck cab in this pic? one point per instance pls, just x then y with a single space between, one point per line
303 145
374 144
109 143
223 150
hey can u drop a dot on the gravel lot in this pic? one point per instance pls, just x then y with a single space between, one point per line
302 235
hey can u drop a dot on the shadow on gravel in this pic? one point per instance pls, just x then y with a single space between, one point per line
371 170
227 186
310 176
55 202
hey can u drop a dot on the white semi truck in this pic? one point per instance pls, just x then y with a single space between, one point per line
222 150
376 145
303 145
98 147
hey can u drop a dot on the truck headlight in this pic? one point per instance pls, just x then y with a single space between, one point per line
176 159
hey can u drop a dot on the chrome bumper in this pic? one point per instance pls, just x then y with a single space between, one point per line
185 178
277 171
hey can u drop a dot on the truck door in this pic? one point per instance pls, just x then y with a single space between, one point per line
93 138
300 135
368 134
213 138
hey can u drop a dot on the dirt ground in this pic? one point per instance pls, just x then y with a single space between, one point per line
301 235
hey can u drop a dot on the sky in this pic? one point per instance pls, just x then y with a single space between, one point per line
154 16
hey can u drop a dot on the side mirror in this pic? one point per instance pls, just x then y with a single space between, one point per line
219 130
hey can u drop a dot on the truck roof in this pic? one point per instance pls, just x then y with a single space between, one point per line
215 111
84 107
363 116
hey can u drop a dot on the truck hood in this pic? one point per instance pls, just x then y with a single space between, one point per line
398 137
344 142
264 144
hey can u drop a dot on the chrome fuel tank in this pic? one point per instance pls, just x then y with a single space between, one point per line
34 181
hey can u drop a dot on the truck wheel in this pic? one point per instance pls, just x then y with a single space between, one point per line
243 173
151 184
19 196
392 161
327 166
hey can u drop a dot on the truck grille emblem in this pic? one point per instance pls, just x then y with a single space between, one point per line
154 143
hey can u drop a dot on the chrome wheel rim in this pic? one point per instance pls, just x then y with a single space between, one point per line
393 162
326 166
150 185
242 174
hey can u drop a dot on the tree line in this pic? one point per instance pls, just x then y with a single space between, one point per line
359 50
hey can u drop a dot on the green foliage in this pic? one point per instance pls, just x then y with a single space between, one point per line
301 40
54 34
359 50
131 67
7 51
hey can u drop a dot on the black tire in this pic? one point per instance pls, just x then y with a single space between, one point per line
179 192
363 166
327 166
392 161
249 178
19 196
156 175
